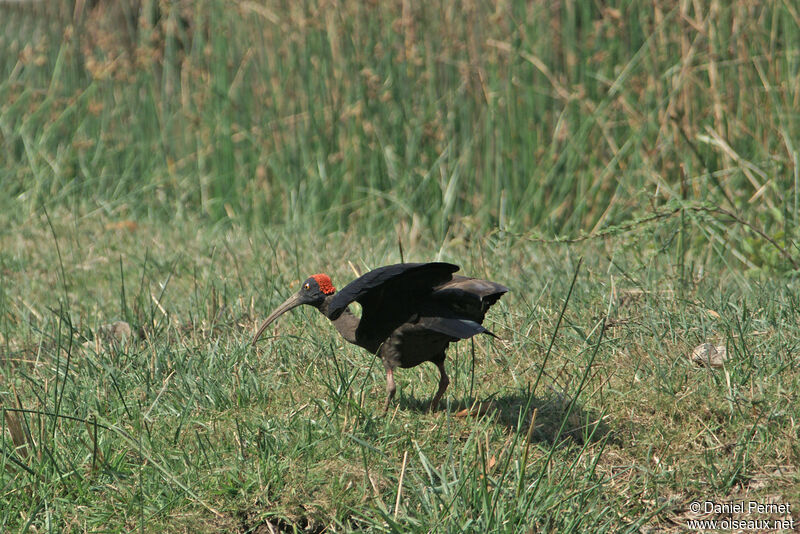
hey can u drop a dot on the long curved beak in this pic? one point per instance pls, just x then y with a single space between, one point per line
290 303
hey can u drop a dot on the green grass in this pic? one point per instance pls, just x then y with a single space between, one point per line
521 116
184 172
189 427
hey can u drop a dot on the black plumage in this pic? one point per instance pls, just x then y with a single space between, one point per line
410 313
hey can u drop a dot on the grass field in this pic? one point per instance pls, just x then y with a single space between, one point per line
628 170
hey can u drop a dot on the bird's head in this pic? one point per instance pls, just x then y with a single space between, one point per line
314 291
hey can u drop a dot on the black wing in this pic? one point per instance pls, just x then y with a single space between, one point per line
467 298
389 288
457 328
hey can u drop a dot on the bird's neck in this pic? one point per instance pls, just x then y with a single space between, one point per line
346 324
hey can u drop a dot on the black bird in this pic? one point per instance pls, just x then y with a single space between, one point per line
410 313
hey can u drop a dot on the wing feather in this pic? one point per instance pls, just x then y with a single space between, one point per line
457 328
391 285
468 297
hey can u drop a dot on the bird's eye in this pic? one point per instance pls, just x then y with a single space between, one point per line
307 286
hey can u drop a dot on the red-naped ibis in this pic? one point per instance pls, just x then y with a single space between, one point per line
410 313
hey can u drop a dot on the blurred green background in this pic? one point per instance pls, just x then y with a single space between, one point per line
542 118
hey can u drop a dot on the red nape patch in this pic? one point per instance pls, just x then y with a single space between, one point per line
324 283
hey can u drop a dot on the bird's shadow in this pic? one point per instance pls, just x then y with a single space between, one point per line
554 421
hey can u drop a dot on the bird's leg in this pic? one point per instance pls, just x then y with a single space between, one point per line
443 383
390 388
